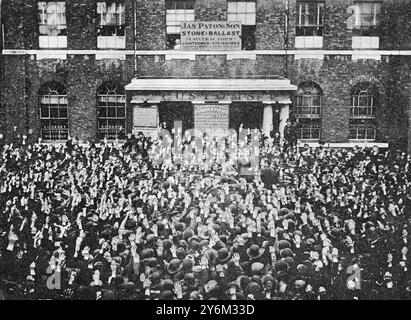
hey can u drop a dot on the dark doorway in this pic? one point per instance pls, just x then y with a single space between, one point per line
176 112
250 114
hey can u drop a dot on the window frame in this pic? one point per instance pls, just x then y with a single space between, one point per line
359 29
52 35
306 29
111 35
248 41
365 125
311 92
237 13
364 91
179 8
106 94
310 126
57 92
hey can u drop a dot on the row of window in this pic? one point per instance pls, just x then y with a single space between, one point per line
310 17
111 104
362 118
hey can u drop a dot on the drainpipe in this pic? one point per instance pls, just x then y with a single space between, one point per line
409 118
1 64
286 36
135 37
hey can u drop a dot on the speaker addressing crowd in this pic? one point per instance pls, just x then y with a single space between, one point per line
111 221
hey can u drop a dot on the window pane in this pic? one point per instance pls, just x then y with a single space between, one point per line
312 13
321 16
232 7
241 7
361 133
316 100
251 7
248 37
63 113
190 16
180 17
121 112
353 133
102 112
54 112
250 19
369 14
111 14
231 17
309 14
111 112
44 112
121 31
299 100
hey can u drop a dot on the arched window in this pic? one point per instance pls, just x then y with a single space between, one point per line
363 107
53 111
308 102
363 100
111 101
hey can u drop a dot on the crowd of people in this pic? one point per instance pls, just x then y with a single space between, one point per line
106 222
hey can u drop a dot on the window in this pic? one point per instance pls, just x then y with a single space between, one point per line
361 129
310 19
111 30
363 104
308 101
310 129
52 24
365 18
244 12
363 101
53 112
307 110
111 102
177 12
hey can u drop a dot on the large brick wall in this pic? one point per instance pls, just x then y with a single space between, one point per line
82 74
270 30
13 94
337 36
20 24
395 30
81 24
21 31
336 75
151 24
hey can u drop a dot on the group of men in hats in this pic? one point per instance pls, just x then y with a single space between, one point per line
103 222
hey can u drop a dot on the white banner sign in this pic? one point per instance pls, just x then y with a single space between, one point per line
208 35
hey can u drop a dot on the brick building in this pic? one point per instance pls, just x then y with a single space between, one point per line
97 69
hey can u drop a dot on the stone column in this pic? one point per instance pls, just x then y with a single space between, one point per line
284 115
267 119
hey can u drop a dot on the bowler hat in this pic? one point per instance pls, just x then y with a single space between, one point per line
254 252
174 266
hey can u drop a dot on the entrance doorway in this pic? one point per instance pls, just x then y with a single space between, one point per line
250 114
176 113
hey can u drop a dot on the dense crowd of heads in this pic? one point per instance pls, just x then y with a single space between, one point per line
103 222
